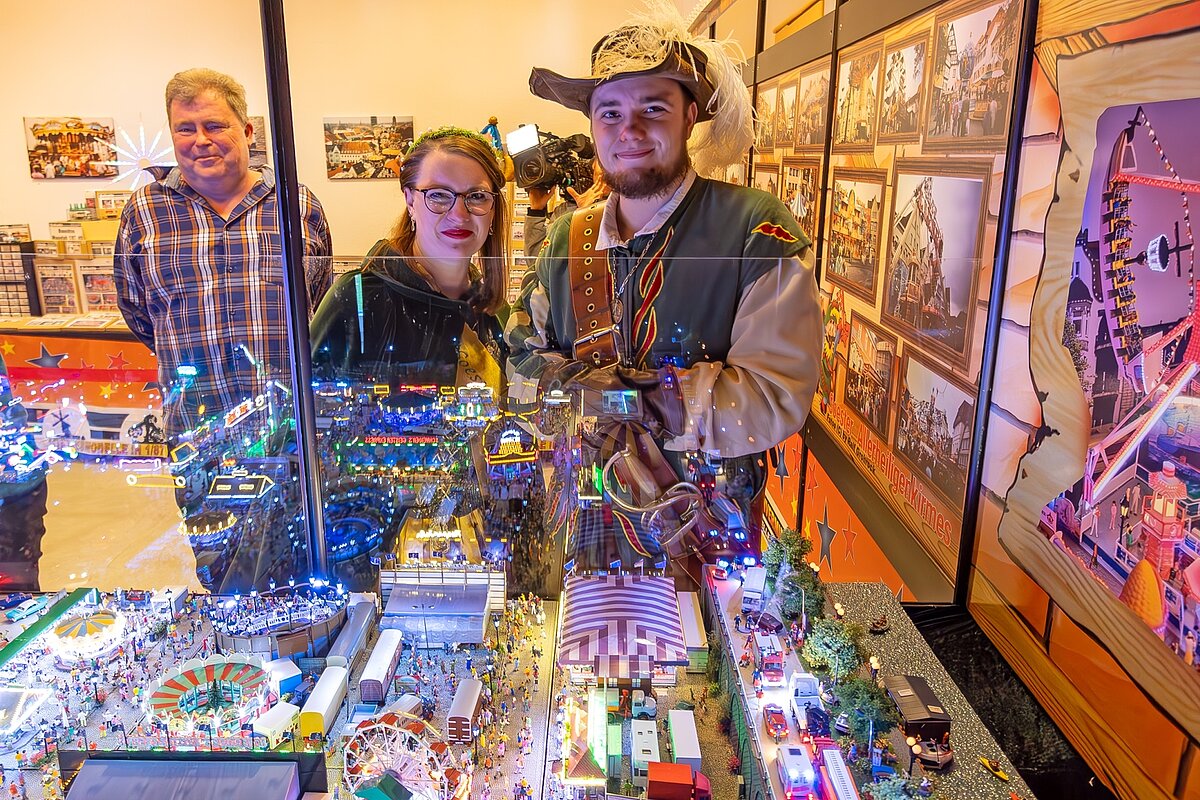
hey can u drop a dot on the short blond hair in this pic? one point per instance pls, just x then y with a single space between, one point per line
186 86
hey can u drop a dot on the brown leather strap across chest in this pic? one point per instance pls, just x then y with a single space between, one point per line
595 334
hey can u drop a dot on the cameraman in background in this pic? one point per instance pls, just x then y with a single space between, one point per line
538 217
544 163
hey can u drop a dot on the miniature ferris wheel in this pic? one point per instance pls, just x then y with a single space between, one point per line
399 747
1106 459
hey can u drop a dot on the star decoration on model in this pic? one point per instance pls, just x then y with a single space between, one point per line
118 361
46 359
849 534
827 536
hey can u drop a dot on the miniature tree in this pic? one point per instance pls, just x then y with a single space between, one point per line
802 592
865 703
835 646
893 787
790 548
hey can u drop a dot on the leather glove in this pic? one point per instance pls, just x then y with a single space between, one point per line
662 397
658 405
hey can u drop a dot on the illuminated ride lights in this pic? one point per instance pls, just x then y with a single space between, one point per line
208 527
260 614
223 691
17 705
81 638
408 748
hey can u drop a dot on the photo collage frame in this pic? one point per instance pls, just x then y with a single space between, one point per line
907 223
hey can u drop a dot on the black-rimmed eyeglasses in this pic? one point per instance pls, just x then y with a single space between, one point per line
440 201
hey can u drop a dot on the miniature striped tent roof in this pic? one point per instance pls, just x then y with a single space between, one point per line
613 618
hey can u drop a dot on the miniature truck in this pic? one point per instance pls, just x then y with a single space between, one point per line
644 706
806 691
754 590
768 657
668 781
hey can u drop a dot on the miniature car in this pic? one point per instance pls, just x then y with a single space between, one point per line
816 721
769 623
774 720
13 600
27 609
842 724
720 573
934 754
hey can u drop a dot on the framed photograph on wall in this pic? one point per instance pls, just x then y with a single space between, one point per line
934 422
802 190
905 65
812 106
739 173
971 75
932 270
258 145
870 374
764 116
70 147
855 222
785 113
766 177
365 148
857 98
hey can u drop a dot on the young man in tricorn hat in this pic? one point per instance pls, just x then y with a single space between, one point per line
696 294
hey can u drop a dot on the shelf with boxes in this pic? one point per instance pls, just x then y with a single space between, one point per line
71 272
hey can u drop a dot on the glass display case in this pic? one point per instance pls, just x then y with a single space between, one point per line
274 485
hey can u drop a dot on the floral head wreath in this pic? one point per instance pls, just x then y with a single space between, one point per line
445 132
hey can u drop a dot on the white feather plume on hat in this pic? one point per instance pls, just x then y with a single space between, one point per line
651 38
648 39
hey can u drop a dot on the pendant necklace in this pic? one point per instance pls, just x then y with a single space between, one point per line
618 300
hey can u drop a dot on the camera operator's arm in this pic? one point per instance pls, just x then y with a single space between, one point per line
761 393
536 219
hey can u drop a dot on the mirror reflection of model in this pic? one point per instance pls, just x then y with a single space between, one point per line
199 281
413 326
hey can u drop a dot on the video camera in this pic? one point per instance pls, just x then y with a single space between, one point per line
542 159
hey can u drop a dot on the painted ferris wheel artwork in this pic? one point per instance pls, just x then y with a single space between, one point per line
1132 327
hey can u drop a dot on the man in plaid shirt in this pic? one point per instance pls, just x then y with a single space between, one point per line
198 258
200 281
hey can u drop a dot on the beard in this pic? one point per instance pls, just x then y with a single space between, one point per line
640 184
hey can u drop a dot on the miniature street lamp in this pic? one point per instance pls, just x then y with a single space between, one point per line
839 610
915 745
424 619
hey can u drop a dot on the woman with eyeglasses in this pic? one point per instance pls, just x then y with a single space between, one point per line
422 308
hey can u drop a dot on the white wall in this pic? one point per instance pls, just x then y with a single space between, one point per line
440 62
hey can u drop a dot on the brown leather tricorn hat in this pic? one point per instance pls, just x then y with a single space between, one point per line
632 52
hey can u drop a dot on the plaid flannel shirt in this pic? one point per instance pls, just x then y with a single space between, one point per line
207 294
